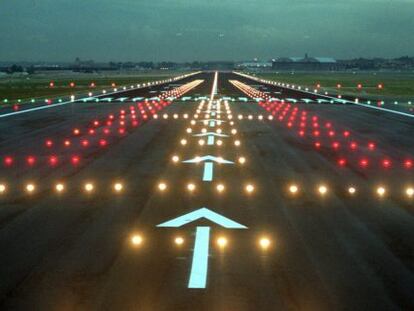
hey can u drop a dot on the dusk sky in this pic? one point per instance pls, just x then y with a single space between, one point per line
188 30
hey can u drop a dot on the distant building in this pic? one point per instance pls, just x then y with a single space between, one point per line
254 65
306 63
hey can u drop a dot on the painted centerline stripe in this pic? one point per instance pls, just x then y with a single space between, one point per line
199 267
210 140
208 171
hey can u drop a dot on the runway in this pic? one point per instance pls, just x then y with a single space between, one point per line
211 192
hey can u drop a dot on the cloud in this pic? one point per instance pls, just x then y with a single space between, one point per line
214 29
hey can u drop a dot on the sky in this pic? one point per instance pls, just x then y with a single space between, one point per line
202 30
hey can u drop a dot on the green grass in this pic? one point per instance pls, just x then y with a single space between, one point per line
37 86
395 85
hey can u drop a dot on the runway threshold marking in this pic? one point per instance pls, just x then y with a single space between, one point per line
199 265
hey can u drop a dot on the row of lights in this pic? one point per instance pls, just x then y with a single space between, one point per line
54 160
352 190
202 142
240 160
249 188
222 242
220 187
283 108
316 90
60 187
113 85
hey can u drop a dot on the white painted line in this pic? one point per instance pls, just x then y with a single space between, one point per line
208 171
343 101
199 266
210 140
76 100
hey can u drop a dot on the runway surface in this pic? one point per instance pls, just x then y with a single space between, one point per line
288 203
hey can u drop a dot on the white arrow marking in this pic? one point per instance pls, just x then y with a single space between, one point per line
88 99
202 213
210 134
106 99
212 120
122 99
208 158
199 266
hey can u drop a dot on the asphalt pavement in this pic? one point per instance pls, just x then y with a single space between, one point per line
273 219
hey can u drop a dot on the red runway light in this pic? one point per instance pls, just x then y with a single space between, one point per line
15 107
51 84
371 146
76 131
49 143
66 143
72 84
53 160
342 162
346 133
335 145
31 160
386 163
331 133
353 145
363 163
317 145
102 142
85 143
8 161
121 131
75 160
408 164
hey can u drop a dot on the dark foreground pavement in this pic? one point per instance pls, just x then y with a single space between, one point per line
73 250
